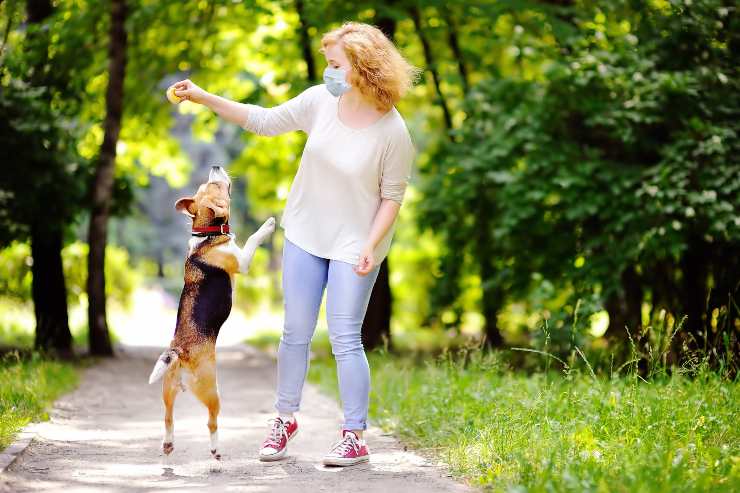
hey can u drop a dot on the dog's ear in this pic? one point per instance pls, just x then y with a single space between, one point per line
186 205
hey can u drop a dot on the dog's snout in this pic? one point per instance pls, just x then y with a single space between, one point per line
218 174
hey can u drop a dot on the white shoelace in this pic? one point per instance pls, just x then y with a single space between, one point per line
277 430
343 445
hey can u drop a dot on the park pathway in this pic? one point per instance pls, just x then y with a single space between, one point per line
106 436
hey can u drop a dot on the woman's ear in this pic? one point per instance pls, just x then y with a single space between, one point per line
186 205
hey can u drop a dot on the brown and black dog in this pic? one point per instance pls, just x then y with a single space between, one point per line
205 302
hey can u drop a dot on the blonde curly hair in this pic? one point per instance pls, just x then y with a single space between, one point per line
379 72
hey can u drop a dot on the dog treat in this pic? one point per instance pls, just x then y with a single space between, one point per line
171 97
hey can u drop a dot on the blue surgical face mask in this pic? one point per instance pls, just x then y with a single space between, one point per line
335 80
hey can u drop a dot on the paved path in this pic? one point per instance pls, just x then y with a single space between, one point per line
106 436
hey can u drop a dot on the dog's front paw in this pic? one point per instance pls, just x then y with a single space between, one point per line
267 228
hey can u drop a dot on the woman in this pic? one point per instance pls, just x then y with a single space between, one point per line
339 217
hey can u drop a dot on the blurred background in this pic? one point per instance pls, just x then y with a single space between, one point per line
577 188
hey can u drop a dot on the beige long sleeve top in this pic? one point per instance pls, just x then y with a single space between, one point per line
342 176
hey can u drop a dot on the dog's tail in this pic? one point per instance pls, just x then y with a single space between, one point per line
164 363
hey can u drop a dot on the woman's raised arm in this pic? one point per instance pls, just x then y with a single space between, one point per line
295 114
225 108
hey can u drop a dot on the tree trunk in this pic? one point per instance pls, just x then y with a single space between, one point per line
694 289
48 287
49 292
431 65
38 10
625 308
385 21
492 297
100 343
492 300
160 264
377 322
452 40
306 41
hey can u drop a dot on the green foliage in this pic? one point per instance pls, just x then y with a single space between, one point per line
41 159
17 323
549 432
27 387
620 158
43 74
15 263
121 277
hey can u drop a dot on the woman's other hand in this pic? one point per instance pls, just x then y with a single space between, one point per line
367 262
188 90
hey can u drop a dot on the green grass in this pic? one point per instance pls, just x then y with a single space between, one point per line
510 431
28 385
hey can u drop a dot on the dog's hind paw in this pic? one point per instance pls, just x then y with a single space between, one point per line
168 447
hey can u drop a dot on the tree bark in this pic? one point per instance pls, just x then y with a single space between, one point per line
99 336
49 292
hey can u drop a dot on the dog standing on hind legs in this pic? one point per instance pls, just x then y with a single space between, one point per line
205 303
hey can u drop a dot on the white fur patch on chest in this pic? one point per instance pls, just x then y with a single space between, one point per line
233 249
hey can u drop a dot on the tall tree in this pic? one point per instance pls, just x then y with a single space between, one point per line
48 287
99 337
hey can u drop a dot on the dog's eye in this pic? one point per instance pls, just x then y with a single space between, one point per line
167 359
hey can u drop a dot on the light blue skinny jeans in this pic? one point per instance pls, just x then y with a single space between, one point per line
347 296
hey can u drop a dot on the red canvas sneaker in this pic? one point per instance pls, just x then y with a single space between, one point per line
276 444
347 451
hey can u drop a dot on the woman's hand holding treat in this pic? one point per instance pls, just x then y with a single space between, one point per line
186 90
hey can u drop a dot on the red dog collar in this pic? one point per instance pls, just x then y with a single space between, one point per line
223 229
